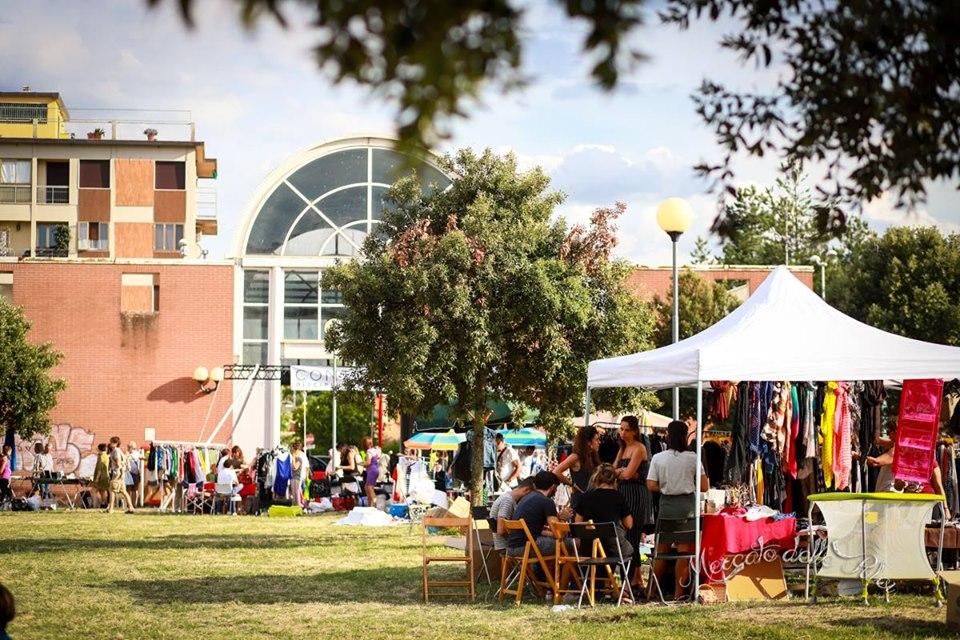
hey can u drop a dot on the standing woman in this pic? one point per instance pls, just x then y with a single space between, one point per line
581 463
350 468
632 463
101 475
6 470
673 473
373 470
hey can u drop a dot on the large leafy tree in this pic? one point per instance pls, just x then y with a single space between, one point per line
27 390
479 292
906 281
866 89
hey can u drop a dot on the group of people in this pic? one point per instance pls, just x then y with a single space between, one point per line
621 493
114 467
355 466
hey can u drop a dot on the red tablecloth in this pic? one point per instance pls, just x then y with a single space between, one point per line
725 535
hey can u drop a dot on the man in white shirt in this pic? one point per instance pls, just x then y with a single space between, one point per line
508 464
228 475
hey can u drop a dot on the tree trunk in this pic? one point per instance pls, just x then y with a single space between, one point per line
476 462
406 427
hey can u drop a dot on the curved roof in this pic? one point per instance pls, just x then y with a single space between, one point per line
784 331
322 201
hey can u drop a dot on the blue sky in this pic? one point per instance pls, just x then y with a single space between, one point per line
258 98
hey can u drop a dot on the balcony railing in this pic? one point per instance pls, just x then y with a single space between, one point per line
93 245
14 194
51 252
53 195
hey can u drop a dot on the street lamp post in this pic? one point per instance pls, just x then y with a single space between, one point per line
674 216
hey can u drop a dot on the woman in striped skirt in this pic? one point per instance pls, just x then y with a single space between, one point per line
632 463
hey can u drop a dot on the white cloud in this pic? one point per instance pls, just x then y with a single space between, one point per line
883 212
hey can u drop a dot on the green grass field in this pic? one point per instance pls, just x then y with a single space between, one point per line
94 575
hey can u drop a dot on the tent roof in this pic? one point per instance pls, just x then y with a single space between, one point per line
784 331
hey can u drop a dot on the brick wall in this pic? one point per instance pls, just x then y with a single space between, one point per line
128 372
649 282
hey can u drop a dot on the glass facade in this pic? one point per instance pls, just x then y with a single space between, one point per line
322 209
327 206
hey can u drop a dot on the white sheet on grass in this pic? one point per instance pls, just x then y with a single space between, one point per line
368 517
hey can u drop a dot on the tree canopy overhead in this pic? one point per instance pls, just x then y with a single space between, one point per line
868 90
480 293
27 391
431 57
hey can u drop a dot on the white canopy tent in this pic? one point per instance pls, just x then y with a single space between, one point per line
784 331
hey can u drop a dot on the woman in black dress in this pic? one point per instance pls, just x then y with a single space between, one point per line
632 464
581 463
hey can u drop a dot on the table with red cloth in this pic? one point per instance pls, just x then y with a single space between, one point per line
726 534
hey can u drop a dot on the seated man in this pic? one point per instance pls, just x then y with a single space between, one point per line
504 509
228 476
538 511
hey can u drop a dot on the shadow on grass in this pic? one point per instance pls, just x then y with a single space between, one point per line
902 627
388 585
176 542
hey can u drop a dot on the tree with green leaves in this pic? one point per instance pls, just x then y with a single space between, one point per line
907 281
27 390
866 89
354 416
778 225
480 292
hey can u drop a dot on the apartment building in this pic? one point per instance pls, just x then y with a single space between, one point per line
87 188
101 218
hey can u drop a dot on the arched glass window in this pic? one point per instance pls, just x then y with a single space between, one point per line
327 206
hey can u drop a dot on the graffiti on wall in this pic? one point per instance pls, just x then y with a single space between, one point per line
72 448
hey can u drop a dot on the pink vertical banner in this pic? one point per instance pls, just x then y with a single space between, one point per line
917 430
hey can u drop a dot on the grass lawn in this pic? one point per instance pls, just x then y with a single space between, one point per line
94 575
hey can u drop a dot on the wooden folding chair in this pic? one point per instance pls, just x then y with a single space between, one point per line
564 566
449 588
526 565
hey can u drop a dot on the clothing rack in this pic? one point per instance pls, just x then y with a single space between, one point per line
176 497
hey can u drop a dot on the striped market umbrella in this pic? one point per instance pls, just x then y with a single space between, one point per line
526 437
448 441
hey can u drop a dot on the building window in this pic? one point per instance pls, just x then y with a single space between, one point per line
48 234
15 181
306 307
167 237
6 286
93 236
23 112
256 298
94 174
170 175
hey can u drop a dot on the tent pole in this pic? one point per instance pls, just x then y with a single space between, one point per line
696 567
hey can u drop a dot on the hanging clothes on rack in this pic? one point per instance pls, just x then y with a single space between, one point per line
283 473
827 430
738 460
841 437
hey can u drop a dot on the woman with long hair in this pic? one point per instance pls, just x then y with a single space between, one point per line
673 473
631 465
581 463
